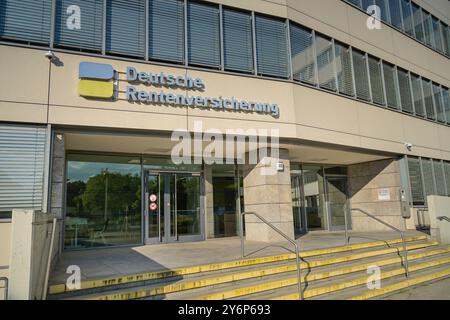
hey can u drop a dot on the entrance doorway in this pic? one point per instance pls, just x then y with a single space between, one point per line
173 207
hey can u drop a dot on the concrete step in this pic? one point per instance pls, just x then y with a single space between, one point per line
312 271
315 259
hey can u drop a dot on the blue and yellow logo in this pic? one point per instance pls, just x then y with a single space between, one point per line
96 80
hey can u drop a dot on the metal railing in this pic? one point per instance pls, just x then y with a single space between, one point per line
297 251
5 280
402 235
443 218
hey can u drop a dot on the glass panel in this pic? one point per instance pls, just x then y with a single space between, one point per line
366 4
415 179
271 47
417 95
383 9
405 91
418 26
337 197
225 194
361 75
447 176
440 114
428 97
390 81
426 18
237 41
187 205
408 23
344 69
446 104
103 205
439 178
125 27
154 203
303 60
428 177
203 34
396 18
314 198
437 34
166 30
376 80
445 38
89 35
325 62
297 207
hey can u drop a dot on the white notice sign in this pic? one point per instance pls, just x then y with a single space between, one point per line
384 195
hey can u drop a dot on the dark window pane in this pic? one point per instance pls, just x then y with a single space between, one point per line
361 75
428 97
440 115
344 69
325 62
396 18
417 18
376 80
390 79
303 60
426 18
405 91
415 179
446 104
417 95
439 178
428 177
437 34
408 23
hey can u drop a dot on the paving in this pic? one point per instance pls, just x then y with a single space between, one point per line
110 262
436 290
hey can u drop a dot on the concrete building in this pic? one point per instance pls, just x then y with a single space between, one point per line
92 92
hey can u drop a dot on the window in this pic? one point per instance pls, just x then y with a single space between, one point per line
415 179
237 41
166 30
405 91
383 9
344 68
361 75
103 203
439 178
445 38
26 20
22 150
390 81
419 106
366 4
446 104
447 176
325 62
203 34
395 11
428 177
271 47
125 27
356 2
89 35
440 114
376 80
303 60
408 23
437 34
426 18
428 97
418 25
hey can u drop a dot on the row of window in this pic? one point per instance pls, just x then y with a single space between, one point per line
428 177
209 35
412 20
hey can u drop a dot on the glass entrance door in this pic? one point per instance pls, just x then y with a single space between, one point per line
173 207
298 205
336 187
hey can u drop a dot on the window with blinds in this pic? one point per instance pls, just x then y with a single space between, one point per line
303 59
395 12
440 114
405 91
391 87
408 23
237 41
344 68
22 152
271 45
361 75
426 19
437 34
428 98
447 176
445 38
416 183
418 25
439 178
125 27
382 4
203 34
419 106
428 177
26 20
376 80
446 104
166 30
325 62
89 35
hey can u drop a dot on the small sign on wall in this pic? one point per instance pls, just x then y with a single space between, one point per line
384 194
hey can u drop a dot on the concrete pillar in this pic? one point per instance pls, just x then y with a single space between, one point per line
270 196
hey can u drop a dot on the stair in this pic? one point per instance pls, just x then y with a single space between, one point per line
333 273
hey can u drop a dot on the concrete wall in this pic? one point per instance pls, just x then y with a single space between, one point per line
367 182
5 252
439 207
30 245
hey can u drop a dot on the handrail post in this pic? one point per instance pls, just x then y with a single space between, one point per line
241 233
405 252
299 275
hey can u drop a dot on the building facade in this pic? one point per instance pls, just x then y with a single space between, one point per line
93 92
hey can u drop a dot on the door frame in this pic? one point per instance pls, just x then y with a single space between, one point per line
175 238
303 217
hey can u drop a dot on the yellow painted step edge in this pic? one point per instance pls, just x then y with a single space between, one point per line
90 284
402 285
137 294
362 281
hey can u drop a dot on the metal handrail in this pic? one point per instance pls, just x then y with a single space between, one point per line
6 280
281 233
443 218
402 234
